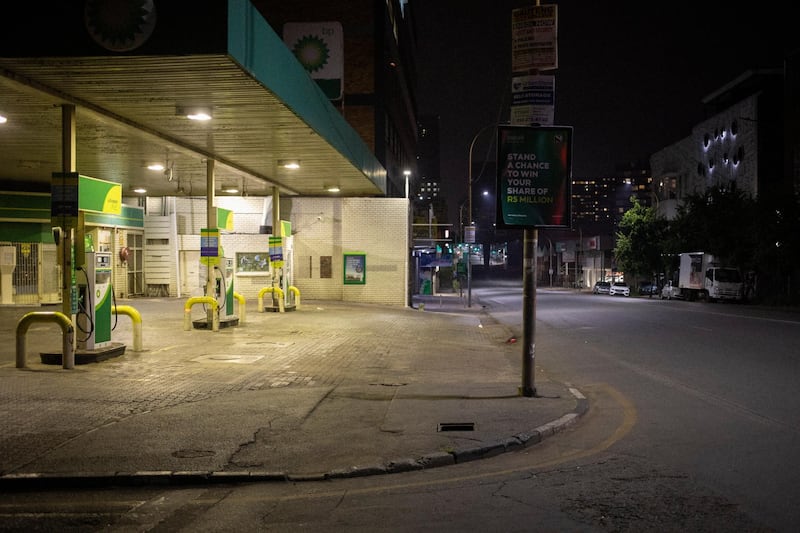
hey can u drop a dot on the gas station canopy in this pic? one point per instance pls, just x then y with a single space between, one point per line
132 84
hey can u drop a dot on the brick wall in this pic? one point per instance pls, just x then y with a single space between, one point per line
326 229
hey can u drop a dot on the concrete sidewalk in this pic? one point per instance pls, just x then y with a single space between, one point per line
328 390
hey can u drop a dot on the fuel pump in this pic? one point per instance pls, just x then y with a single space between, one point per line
223 292
226 309
94 302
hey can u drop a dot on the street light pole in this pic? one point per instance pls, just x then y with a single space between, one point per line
469 214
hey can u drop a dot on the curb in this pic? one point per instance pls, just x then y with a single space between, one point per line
39 481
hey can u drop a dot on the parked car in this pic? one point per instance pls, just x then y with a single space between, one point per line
670 291
601 287
648 288
619 287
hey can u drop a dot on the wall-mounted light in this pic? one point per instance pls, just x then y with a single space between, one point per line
332 188
200 113
155 166
292 164
3 119
230 189
139 190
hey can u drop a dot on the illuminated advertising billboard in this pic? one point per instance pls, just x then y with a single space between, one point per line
534 176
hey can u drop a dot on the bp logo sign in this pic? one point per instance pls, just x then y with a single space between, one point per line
120 26
312 52
318 46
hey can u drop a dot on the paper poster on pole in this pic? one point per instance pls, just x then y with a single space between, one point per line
534 38
533 100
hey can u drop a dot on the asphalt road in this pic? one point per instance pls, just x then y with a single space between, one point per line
714 386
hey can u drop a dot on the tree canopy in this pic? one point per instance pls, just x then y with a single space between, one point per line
640 241
759 236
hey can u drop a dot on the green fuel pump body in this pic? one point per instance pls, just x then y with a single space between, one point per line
94 293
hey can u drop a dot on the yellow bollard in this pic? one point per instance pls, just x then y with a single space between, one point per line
187 311
294 290
262 292
68 333
242 306
136 319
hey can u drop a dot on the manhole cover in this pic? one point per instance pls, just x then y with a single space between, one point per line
272 344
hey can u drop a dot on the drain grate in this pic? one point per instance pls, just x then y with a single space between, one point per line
457 426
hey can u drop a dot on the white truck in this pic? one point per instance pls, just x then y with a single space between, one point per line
700 277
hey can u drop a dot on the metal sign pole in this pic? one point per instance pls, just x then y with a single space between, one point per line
530 238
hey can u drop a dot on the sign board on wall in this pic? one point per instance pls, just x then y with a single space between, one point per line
534 176
355 269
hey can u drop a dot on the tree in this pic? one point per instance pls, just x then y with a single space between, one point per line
640 241
718 222
775 254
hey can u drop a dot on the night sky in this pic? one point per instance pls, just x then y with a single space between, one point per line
630 81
